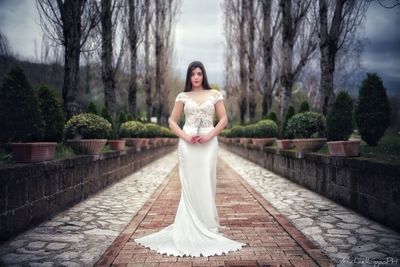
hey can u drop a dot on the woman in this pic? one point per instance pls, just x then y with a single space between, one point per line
195 231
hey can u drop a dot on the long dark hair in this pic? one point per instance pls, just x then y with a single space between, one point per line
191 67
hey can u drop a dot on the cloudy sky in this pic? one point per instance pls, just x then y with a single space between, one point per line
199 36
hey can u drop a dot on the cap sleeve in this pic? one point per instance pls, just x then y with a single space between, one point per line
218 96
181 97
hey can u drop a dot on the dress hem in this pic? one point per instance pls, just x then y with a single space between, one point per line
221 253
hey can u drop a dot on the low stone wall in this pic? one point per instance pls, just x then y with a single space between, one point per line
33 193
371 188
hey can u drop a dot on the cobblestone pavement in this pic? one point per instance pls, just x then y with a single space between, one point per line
81 234
344 235
245 216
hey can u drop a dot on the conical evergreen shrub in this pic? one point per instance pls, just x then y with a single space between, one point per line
52 114
373 110
340 119
20 118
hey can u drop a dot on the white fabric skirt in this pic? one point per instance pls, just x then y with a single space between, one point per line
195 231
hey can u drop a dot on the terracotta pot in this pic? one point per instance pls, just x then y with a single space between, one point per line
33 151
244 140
308 144
350 148
261 142
145 142
87 146
284 143
117 145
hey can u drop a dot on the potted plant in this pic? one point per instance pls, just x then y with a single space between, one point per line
308 130
265 133
21 120
372 113
114 140
152 132
87 133
340 127
237 132
132 132
286 141
247 135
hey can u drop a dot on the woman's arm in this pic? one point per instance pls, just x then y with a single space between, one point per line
173 119
223 119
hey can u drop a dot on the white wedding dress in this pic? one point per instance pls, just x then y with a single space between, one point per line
195 231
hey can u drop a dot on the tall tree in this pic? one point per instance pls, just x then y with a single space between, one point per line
270 28
338 22
135 31
251 21
107 73
165 12
147 79
293 19
69 23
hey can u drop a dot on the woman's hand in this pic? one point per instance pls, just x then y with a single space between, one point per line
192 139
204 138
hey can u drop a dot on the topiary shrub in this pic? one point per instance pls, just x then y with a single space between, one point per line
271 116
266 129
308 124
304 107
372 113
87 126
132 129
225 133
152 130
290 113
249 131
92 108
52 114
237 131
20 117
340 119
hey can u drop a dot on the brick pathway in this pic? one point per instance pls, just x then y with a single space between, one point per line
272 240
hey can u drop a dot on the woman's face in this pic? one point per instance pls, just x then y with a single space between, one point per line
197 77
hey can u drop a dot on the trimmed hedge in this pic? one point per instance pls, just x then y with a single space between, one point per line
266 129
237 131
308 124
132 129
87 126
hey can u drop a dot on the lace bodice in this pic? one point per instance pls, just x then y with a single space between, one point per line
199 109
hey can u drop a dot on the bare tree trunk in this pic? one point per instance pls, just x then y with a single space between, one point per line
147 83
107 72
242 62
71 11
268 43
286 75
159 49
328 47
69 23
252 62
133 40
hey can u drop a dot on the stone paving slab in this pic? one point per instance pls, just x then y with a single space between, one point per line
347 237
79 235
246 216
